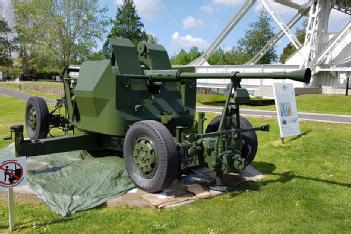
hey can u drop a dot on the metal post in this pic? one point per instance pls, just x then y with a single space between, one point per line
180 134
347 85
10 197
201 122
11 208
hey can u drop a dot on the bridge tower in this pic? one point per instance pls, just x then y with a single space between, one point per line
328 55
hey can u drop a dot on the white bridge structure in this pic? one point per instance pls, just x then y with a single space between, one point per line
327 54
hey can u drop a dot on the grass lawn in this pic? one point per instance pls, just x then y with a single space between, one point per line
11 112
315 103
307 189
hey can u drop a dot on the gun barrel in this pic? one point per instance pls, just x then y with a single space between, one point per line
176 75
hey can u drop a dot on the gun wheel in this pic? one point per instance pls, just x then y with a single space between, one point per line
250 143
37 118
150 155
145 157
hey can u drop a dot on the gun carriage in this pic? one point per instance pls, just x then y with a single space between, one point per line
136 103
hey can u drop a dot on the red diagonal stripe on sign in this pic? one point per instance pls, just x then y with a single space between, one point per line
10 173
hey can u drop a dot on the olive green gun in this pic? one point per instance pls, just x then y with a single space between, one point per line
137 104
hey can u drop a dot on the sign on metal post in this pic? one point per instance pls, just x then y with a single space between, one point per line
286 110
12 174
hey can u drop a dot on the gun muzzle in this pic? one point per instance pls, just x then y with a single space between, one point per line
300 75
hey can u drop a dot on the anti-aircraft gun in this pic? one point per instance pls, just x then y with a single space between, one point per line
136 103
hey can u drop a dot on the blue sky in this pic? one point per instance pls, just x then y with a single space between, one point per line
186 23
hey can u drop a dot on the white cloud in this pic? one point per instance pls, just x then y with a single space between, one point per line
149 9
188 41
227 2
191 22
206 9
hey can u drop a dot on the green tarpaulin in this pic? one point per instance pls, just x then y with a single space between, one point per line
74 181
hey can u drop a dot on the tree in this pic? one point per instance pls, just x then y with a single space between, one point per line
152 39
97 56
54 33
217 57
8 46
260 32
256 37
183 57
232 57
127 24
290 48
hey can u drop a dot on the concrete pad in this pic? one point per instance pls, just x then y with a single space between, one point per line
189 189
33 166
251 174
179 193
23 195
133 199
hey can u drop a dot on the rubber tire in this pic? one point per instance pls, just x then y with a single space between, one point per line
250 146
166 148
42 118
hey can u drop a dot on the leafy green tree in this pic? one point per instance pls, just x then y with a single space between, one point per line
54 33
127 24
183 57
290 48
217 57
7 45
97 56
232 57
255 38
152 39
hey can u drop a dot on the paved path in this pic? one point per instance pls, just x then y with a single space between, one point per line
330 118
20 95
346 119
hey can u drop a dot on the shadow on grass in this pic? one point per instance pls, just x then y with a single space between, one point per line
299 136
253 102
285 177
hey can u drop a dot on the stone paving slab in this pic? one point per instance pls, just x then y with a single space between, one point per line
180 193
177 195
23 195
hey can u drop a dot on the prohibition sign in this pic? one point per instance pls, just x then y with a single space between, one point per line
13 173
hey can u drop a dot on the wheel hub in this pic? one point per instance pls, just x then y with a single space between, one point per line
32 118
145 157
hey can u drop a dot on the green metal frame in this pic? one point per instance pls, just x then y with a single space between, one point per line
140 84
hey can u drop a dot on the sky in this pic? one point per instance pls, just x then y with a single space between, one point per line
187 23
